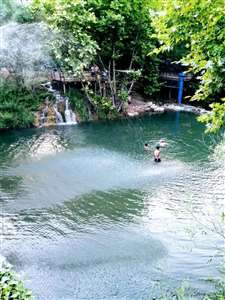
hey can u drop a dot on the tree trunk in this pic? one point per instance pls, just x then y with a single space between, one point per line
110 85
114 83
131 86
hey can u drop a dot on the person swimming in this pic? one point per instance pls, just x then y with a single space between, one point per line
161 143
157 154
146 146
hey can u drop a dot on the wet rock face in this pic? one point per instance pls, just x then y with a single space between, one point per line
45 116
61 107
57 112
50 118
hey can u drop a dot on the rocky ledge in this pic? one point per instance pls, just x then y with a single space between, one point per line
138 107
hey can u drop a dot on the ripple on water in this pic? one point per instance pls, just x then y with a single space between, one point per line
86 214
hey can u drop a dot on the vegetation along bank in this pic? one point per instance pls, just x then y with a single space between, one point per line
100 54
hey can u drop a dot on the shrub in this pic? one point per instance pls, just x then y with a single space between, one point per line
18 104
12 288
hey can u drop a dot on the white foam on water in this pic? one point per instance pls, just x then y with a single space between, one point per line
69 174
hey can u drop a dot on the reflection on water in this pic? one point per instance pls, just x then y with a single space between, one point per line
86 214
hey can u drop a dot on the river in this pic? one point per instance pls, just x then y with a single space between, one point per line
86 214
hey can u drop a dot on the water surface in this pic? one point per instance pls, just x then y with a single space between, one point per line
86 214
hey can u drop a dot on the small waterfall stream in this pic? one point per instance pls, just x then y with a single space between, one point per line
59 118
69 114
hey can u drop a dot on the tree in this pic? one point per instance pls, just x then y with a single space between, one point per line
73 46
123 32
114 34
199 27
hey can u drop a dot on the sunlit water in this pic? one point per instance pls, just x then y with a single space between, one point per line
86 214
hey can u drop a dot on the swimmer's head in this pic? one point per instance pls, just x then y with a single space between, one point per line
157 147
146 144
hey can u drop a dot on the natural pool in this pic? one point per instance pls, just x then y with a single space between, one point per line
86 214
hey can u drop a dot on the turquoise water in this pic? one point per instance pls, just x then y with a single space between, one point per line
86 214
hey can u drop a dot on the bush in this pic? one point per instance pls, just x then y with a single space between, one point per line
220 292
12 288
104 108
18 104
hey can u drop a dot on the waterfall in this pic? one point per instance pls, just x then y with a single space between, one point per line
59 118
73 117
67 112
70 116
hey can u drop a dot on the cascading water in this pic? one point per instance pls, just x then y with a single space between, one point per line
73 117
59 118
70 116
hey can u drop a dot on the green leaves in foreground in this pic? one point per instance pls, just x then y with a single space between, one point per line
220 292
12 288
216 119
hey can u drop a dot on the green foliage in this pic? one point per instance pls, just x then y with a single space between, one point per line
199 28
77 100
123 95
123 33
150 78
104 108
23 14
216 119
122 30
113 34
220 292
73 47
18 104
12 288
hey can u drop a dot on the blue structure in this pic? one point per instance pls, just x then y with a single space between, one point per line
181 87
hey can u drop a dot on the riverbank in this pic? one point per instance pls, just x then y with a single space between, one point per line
138 107
44 106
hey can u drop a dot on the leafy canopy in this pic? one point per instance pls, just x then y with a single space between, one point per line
99 31
73 47
199 27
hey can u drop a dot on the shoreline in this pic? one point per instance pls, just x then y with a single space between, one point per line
140 107
135 108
